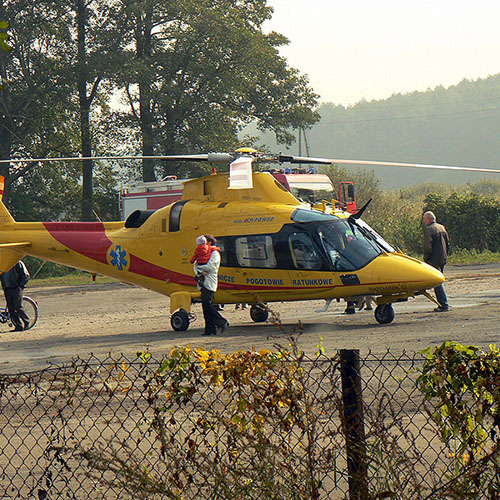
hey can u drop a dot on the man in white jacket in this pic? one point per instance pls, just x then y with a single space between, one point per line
208 287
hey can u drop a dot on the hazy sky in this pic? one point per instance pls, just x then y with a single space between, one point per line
355 49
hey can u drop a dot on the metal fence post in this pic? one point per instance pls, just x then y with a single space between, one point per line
354 424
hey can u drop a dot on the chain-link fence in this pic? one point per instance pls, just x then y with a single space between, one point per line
196 425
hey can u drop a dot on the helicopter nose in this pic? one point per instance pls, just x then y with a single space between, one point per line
430 276
422 276
411 274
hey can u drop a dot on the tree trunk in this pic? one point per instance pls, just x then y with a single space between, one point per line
148 166
143 40
170 167
84 103
6 127
87 167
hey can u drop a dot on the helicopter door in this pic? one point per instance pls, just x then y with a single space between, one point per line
304 256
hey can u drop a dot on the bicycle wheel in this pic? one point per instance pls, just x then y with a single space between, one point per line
31 308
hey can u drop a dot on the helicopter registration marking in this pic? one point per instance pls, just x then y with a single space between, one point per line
253 219
387 288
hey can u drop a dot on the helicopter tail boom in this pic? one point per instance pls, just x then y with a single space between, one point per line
10 253
5 217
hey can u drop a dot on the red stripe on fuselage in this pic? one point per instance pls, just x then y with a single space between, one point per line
85 238
145 268
89 239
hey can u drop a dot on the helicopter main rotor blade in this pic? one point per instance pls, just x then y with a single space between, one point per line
260 158
327 161
210 157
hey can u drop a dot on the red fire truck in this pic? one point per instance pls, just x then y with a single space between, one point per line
150 195
303 184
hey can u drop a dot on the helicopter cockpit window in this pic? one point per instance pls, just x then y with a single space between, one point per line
303 253
255 251
346 245
382 243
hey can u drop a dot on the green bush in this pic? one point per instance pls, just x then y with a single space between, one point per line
398 220
461 383
472 220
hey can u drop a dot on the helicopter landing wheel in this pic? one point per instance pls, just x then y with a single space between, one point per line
259 313
384 313
180 320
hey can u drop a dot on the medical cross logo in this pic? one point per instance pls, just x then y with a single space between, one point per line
118 258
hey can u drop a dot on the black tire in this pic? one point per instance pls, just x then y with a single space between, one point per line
180 321
384 313
259 313
31 308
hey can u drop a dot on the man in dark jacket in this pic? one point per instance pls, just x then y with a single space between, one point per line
436 247
13 282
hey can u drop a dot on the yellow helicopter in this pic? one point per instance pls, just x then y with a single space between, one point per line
274 247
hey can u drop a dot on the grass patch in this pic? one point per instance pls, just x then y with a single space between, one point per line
473 257
70 280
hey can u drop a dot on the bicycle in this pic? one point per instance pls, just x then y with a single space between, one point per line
31 308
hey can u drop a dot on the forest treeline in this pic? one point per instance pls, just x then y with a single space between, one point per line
457 125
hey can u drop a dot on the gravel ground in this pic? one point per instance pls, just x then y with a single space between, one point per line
118 319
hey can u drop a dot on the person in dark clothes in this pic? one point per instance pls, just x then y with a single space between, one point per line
13 283
436 248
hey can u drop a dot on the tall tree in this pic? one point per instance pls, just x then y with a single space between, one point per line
144 18
85 101
41 109
32 96
202 70
98 40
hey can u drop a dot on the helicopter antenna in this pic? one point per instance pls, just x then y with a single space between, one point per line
359 213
